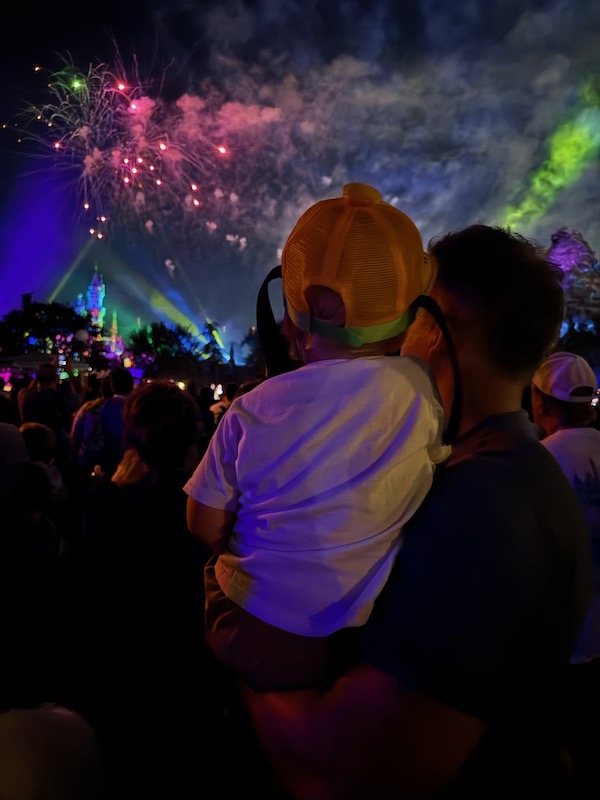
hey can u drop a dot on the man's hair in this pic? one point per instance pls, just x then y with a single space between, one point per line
516 290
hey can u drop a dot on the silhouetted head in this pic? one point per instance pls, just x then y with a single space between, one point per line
160 422
121 381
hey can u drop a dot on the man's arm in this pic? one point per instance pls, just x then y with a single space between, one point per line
369 736
212 526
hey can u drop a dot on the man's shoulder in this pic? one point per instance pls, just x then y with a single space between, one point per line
498 475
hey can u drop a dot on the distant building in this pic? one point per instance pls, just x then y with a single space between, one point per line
95 300
91 307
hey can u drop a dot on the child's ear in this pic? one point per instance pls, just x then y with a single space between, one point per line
394 346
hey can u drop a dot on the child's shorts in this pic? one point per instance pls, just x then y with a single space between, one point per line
263 656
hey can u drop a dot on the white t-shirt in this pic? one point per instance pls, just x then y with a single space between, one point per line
322 467
577 450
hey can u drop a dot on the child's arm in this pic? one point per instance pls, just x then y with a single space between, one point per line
213 526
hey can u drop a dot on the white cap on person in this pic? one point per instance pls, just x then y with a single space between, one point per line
567 377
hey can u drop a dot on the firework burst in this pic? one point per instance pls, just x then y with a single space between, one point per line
134 155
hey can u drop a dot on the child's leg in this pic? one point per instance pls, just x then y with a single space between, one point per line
264 657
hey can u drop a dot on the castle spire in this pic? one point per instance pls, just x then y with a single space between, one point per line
115 343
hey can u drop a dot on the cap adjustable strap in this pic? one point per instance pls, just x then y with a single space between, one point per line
357 336
274 346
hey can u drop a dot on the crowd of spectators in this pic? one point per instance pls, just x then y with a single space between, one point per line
102 587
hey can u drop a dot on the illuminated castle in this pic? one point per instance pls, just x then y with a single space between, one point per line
93 309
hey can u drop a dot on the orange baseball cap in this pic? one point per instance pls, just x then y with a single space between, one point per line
367 251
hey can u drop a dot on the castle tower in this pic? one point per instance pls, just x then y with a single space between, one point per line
95 300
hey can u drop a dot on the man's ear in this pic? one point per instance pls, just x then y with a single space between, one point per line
538 405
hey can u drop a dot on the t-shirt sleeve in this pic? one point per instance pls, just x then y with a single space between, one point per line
214 481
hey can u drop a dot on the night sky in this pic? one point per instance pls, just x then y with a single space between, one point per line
458 112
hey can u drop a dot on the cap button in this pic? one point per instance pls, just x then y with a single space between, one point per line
361 194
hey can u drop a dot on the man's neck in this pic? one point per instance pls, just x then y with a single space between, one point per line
486 398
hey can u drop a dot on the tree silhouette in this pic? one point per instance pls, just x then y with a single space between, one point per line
41 327
255 359
581 279
167 351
